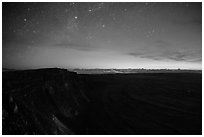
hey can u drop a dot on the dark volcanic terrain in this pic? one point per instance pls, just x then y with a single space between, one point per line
56 101
43 101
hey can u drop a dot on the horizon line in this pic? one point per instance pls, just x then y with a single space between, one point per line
103 68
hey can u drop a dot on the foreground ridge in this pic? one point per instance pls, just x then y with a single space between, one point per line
41 101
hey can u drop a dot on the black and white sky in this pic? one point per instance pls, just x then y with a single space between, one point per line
102 35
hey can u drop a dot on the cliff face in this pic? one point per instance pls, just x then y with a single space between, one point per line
43 101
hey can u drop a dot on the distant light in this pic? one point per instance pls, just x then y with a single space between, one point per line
103 25
25 19
75 17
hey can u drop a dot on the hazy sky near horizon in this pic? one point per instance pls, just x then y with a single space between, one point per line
102 35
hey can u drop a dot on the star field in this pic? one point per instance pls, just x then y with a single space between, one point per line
102 35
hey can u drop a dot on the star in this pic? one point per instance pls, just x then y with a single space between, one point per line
72 4
93 26
90 10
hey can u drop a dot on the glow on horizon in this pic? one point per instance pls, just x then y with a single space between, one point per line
105 59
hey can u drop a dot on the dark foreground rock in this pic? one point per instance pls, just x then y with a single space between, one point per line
56 101
43 101
145 104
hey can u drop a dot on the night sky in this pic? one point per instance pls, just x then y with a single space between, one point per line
102 35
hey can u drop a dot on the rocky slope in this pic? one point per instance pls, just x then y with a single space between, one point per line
43 101
56 101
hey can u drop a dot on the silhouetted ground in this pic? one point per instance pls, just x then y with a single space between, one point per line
56 101
42 101
145 103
